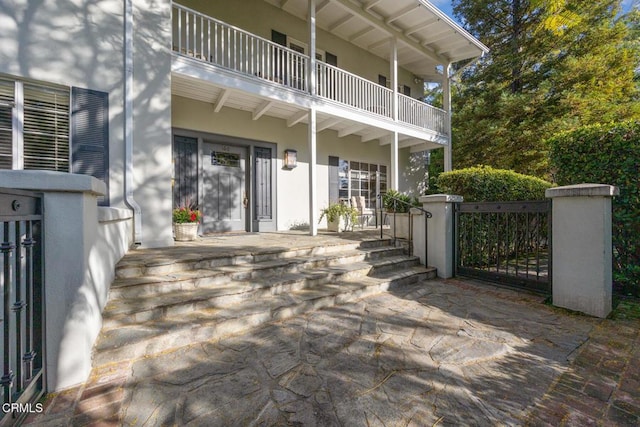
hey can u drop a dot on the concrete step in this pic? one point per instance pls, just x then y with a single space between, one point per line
147 307
143 263
214 322
185 280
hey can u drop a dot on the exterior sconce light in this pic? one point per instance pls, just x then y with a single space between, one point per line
290 159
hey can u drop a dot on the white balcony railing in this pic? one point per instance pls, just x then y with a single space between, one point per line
346 88
421 114
208 39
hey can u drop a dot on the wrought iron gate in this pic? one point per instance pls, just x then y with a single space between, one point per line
505 242
22 313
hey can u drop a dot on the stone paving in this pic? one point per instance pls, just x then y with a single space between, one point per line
438 353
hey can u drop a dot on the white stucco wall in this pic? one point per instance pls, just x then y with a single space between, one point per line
293 190
80 43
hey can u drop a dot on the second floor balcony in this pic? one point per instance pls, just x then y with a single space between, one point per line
203 38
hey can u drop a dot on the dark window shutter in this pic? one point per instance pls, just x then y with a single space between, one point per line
334 180
90 135
331 59
279 38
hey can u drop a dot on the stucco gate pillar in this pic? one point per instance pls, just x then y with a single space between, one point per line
582 248
440 244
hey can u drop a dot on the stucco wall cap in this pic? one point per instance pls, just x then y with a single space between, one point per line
440 198
52 181
583 190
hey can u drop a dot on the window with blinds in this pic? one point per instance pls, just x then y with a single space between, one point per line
46 128
6 123
34 129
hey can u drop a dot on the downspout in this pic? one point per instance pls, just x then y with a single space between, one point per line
128 122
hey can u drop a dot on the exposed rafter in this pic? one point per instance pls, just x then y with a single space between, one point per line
327 124
283 3
374 135
379 23
297 118
371 4
361 33
222 98
340 23
351 130
421 26
379 43
261 109
322 6
407 10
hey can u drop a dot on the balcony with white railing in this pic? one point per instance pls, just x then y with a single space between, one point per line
207 39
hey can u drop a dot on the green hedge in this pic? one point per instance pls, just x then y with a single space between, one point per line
608 155
485 184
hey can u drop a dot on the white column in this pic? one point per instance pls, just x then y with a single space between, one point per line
582 251
446 104
313 202
393 63
393 175
311 71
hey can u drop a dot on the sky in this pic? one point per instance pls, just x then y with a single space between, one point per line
445 6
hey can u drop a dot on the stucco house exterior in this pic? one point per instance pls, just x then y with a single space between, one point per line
200 102
261 112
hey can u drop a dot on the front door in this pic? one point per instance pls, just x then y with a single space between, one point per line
224 188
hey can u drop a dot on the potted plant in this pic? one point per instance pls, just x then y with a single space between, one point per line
185 223
340 216
398 206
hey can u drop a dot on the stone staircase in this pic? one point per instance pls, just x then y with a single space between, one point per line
158 304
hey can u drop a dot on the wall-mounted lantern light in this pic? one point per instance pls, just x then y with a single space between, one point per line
290 159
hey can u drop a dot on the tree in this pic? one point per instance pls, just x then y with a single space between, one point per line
554 65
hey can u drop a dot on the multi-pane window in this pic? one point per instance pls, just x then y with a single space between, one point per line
34 126
361 179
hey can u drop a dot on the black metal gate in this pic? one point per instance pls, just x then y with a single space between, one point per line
22 313
505 242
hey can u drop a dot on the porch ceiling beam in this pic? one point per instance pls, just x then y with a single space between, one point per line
364 13
222 98
261 109
387 140
297 118
374 135
371 4
340 23
361 33
379 43
350 130
424 146
419 27
283 3
409 142
322 6
327 124
407 10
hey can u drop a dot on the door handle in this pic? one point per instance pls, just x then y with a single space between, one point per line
245 200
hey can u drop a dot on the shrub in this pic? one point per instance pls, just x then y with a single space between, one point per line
394 201
608 154
485 184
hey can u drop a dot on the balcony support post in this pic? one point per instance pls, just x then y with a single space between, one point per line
313 202
393 179
446 104
393 61
311 69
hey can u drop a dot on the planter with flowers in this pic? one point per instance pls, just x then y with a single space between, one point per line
185 223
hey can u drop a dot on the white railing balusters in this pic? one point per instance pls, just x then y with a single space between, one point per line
421 114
